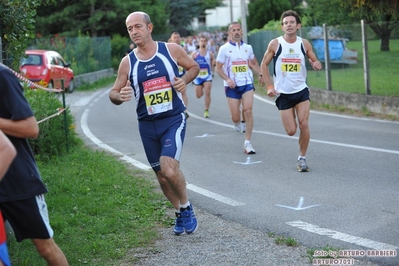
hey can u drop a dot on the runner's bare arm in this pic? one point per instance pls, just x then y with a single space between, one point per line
121 91
264 66
311 55
185 61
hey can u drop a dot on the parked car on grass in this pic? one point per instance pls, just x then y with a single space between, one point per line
47 68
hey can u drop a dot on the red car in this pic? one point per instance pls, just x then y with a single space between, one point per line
47 68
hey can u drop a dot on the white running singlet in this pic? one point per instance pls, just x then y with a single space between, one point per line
289 67
235 62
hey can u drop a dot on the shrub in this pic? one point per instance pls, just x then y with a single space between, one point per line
53 139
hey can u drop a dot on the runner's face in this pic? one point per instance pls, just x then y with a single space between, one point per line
235 32
289 25
176 39
138 29
203 42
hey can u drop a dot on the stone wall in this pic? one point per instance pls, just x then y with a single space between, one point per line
375 104
93 76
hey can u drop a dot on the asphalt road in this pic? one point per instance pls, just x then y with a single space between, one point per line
348 200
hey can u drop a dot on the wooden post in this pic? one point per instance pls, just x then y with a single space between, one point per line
366 68
327 59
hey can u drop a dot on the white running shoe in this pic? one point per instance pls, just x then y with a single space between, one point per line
243 127
237 127
248 149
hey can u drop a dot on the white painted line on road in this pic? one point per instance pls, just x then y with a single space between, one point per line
331 114
299 207
214 196
295 137
95 140
364 242
247 162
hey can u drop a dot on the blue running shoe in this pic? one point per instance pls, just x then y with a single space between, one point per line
189 220
179 228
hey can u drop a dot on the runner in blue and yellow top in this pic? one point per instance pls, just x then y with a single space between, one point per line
203 82
151 74
175 37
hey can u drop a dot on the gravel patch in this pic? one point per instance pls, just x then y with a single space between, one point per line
220 242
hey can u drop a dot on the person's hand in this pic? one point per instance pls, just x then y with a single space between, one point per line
126 93
179 84
316 64
271 92
231 83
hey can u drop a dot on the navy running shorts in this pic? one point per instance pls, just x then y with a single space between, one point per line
287 101
163 137
238 91
200 81
28 218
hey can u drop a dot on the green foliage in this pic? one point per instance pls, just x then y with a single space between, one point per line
262 11
100 210
53 138
86 54
96 17
183 13
16 27
316 13
119 45
384 74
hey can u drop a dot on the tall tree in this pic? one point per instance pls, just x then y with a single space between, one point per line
382 16
317 13
16 27
263 11
97 17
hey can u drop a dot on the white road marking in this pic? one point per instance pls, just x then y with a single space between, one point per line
295 137
214 196
247 162
364 242
95 140
332 114
299 207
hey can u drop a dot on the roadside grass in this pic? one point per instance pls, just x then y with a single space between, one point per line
384 71
99 209
322 253
100 83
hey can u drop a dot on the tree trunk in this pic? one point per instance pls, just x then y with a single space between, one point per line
383 30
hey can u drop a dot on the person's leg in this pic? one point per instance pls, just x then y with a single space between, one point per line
185 99
288 119
302 110
247 103
207 92
49 250
234 107
172 181
199 91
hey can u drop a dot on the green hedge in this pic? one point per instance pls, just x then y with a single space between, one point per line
53 139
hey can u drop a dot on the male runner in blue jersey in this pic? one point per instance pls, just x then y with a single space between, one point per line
151 74
203 82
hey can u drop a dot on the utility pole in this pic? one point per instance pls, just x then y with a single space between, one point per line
244 21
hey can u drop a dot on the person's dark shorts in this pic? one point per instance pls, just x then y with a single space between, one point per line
238 91
163 137
28 218
288 101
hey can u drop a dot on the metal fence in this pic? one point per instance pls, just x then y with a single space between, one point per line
86 54
362 58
